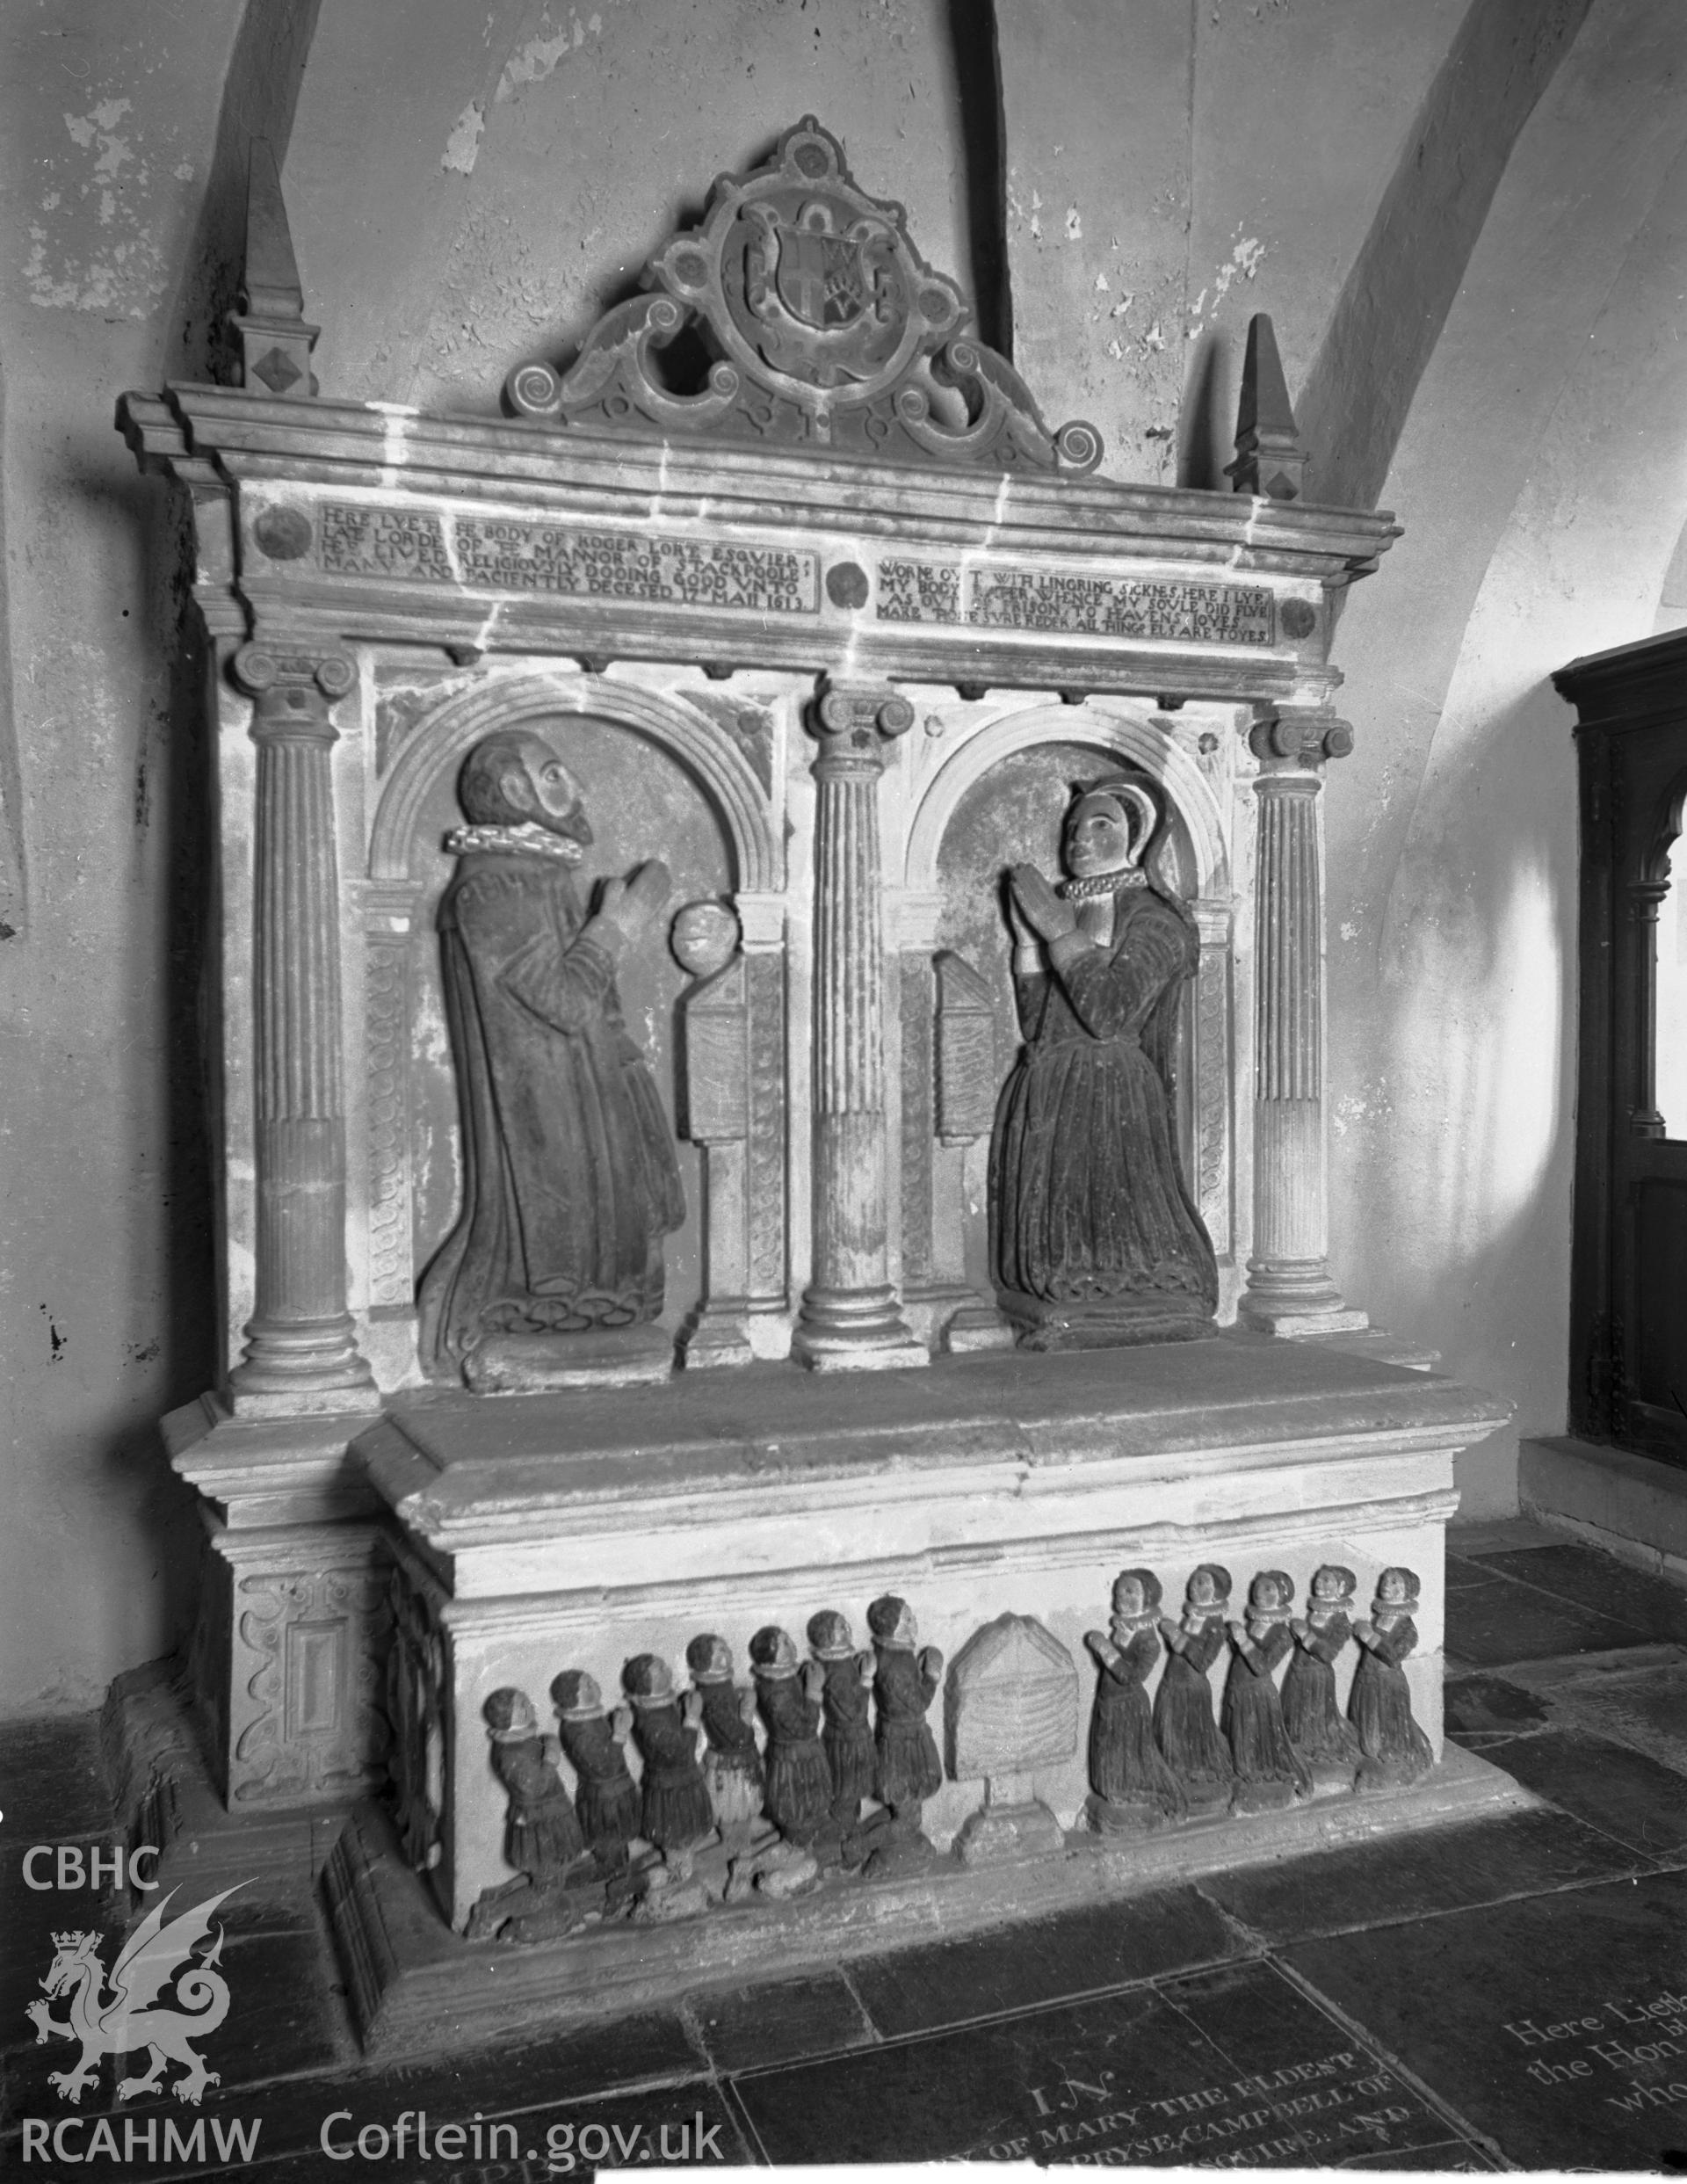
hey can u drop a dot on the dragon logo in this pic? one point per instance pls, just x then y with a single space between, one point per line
119 2022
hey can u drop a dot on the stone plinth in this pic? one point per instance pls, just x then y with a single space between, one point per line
548 1534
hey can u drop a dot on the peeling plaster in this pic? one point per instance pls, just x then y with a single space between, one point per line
463 145
1248 255
94 245
541 57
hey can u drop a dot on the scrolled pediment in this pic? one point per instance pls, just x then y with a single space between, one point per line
821 326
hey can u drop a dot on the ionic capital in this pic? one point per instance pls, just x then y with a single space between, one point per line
1287 738
852 723
294 688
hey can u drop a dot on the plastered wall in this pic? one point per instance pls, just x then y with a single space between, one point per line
470 187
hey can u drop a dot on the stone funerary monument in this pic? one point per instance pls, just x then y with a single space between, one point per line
770 998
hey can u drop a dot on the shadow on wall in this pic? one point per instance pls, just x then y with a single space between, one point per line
14 896
1452 1143
163 943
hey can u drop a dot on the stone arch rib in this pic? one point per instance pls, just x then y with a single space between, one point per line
1126 735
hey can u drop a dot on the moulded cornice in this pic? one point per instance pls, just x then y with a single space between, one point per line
381 446
1254 563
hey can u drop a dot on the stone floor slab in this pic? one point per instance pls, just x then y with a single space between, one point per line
1381 1883
1600 1584
1494 1535
778 2020
1624 1793
1556 2024
1646 1710
1045 1960
1237 2066
1492 1620
1488 1706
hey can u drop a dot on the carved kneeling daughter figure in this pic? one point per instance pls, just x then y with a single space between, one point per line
1317 1729
1132 1789
1379 1705
1270 1772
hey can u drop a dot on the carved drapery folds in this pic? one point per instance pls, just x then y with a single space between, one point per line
1094 1239
1289 1287
555 1269
301 1353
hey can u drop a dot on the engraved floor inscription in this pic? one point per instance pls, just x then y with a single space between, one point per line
1235 2069
1558 2023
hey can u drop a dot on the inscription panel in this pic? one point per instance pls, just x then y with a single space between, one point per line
513 554
1225 2071
508 554
1061 603
919 591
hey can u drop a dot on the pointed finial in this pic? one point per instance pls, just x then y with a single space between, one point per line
275 337
1270 460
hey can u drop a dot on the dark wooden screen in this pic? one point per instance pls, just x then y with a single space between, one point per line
1628 1314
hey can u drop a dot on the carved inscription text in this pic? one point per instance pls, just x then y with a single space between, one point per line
503 553
1642 2039
1333 2109
1054 601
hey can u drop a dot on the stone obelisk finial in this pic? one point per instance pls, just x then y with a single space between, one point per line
1272 460
275 337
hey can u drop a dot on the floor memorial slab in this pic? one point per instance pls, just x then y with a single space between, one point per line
1559 2021
1234 2068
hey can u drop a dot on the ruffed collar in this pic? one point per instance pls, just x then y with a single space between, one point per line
1102 883
528 840
1126 1627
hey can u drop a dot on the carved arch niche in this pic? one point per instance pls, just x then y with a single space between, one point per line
1000 798
661 779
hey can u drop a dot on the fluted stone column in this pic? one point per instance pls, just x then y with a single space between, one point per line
301 1353
1289 1288
852 1317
